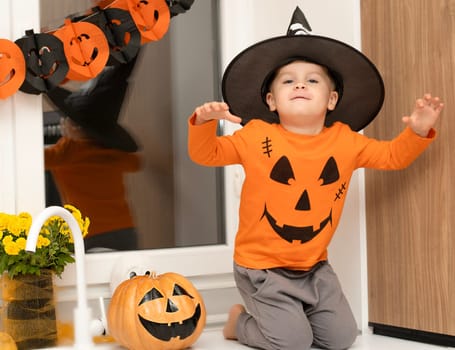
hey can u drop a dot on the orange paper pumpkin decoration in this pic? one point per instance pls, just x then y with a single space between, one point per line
86 49
120 31
152 18
12 68
156 312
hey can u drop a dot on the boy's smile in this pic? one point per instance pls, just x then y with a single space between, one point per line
301 95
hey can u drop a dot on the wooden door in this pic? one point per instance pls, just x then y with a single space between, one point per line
410 213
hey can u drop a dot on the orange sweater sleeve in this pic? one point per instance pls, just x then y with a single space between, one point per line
206 148
395 154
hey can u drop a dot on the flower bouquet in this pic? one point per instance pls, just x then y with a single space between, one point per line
55 245
28 310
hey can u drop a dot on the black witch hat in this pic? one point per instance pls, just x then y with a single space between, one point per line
359 84
97 107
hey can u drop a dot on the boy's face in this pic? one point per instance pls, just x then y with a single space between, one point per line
301 93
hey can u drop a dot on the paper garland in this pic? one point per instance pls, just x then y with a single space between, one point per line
109 34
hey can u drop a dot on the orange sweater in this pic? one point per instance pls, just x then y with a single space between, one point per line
91 179
295 185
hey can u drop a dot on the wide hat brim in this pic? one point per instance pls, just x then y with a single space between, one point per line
363 87
110 135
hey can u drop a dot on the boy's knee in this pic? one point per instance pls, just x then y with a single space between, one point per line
338 338
344 341
291 338
277 336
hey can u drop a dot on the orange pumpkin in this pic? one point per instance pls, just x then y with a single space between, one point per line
12 68
156 312
86 49
7 342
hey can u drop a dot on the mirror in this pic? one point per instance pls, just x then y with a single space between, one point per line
174 202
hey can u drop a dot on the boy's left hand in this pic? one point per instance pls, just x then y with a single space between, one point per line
425 115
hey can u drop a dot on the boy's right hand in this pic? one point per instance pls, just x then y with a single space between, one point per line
214 110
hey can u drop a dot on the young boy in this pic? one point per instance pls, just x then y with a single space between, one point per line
301 99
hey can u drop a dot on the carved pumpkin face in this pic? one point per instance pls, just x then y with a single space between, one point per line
163 312
12 68
86 49
302 217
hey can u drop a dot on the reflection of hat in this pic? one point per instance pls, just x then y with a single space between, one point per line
360 85
97 108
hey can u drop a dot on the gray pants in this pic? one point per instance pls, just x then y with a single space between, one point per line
293 310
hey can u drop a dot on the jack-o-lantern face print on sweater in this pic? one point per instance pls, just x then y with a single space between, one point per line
300 203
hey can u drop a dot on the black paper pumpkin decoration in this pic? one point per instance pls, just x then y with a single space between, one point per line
46 65
12 68
152 17
156 312
179 6
86 49
120 31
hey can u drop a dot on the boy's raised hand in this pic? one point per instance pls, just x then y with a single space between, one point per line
425 115
214 110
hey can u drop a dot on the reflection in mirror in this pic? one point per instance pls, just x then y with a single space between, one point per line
174 202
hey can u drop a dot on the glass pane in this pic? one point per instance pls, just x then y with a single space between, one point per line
174 202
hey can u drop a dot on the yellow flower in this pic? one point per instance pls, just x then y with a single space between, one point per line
11 247
42 241
73 210
4 218
45 231
8 239
85 227
25 221
83 223
14 226
21 242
